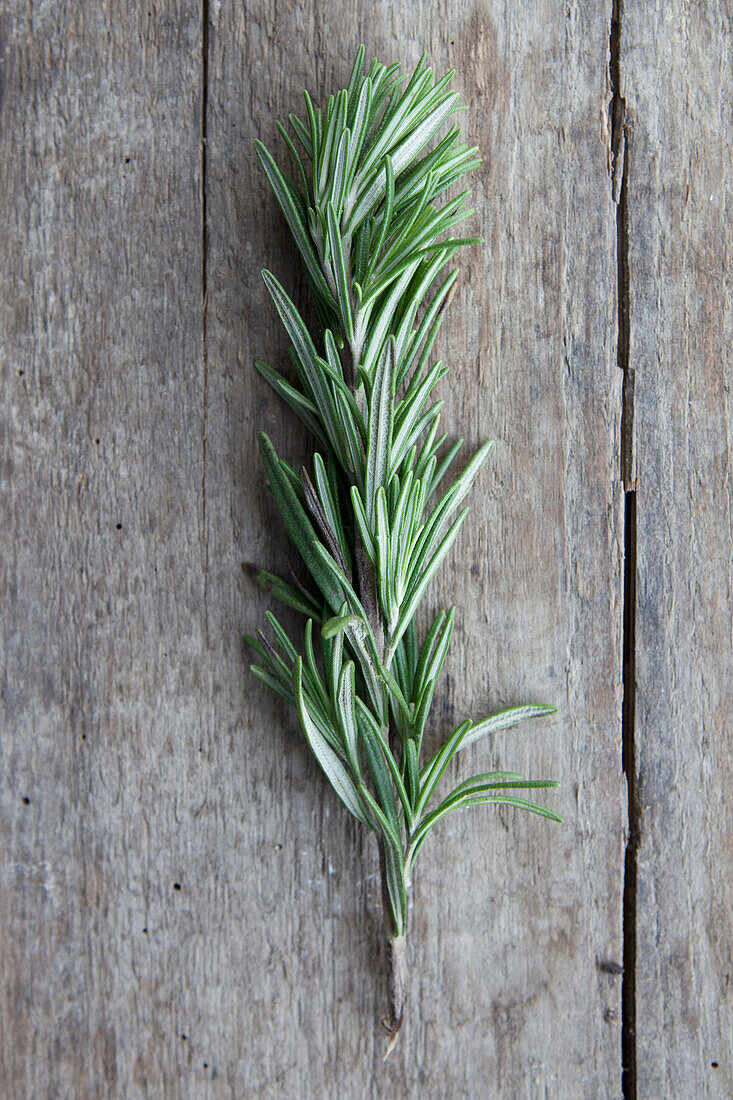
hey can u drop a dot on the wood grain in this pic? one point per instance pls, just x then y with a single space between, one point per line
676 66
105 692
186 911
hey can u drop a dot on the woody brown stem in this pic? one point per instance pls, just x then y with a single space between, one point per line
397 971
396 965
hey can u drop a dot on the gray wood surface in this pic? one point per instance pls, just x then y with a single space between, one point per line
106 679
185 910
679 96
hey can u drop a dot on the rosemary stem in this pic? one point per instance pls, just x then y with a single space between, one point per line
369 594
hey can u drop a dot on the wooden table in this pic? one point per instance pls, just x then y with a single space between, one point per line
184 909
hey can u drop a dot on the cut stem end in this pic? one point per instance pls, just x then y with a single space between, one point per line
397 971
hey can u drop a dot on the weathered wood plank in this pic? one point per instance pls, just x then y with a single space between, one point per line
101 564
676 69
507 997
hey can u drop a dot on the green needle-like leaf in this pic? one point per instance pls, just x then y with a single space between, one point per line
341 274
380 428
346 714
297 401
285 592
468 800
333 768
504 720
429 570
294 219
298 525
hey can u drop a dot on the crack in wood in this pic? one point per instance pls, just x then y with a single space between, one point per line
628 985
204 296
619 184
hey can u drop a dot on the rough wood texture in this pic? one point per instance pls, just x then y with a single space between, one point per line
676 68
106 677
185 910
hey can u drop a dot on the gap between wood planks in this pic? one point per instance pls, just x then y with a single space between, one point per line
620 147
204 297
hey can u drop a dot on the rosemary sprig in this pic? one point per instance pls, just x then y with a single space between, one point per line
371 219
